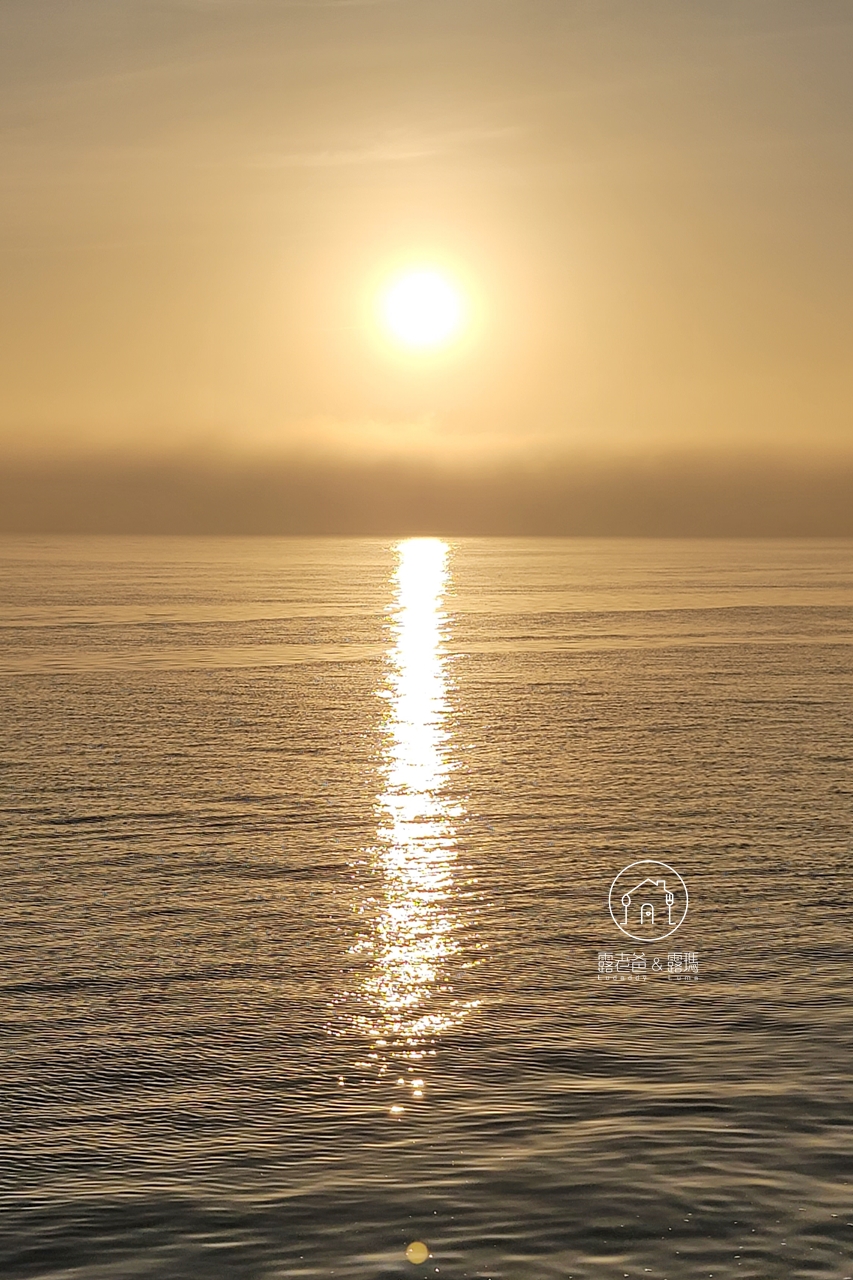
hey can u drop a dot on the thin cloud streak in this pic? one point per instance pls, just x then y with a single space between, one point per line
391 151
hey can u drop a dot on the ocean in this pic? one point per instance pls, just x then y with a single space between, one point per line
320 931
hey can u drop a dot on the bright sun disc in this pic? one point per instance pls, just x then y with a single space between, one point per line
422 309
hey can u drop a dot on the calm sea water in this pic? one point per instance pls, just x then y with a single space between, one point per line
306 948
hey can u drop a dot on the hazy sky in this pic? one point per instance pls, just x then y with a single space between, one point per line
647 201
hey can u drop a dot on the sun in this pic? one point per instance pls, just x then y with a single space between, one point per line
422 309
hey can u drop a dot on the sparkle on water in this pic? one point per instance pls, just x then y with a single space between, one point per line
407 1000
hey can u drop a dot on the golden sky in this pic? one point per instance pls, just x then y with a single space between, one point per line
646 207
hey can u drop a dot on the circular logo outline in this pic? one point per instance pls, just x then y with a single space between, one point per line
646 862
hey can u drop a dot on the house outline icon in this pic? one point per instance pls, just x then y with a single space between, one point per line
639 904
648 900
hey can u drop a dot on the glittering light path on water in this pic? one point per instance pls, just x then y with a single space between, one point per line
406 1001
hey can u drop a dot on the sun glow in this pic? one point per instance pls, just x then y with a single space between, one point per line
423 309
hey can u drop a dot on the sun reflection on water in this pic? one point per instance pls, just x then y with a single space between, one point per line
407 1000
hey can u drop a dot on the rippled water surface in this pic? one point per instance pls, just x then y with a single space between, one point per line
306 949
